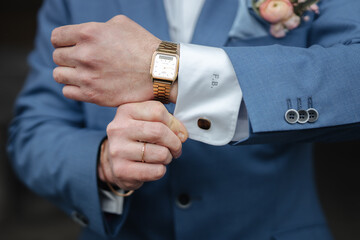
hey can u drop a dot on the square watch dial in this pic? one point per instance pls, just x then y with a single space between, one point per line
165 67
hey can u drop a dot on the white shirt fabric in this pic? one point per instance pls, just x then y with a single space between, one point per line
182 16
111 203
207 88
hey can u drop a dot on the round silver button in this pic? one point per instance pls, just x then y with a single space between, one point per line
303 116
291 116
313 115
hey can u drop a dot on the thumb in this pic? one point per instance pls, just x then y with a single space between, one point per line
178 128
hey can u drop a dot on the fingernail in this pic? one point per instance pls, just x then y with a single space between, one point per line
181 136
178 155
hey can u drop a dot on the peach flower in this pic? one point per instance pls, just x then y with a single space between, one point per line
275 11
292 22
278 30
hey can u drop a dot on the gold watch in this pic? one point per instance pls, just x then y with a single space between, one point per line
164 69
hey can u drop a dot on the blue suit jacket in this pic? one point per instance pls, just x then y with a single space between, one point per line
262 188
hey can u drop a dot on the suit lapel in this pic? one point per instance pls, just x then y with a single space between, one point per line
212 29
215 22
148 13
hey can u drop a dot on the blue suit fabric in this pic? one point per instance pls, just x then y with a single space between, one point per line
261 188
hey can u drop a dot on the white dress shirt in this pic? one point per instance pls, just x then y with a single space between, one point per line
207 88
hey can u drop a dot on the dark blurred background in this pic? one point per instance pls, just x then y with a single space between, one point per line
23 215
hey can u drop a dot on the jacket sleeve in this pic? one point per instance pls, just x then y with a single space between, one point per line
326 72
52 150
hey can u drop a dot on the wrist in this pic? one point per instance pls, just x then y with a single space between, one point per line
174 92
164 71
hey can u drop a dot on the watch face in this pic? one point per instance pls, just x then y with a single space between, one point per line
165 67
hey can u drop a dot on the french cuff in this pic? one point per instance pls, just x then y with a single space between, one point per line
208 89
111 203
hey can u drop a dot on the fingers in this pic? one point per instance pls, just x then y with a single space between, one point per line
135 172
73 92
133 161
65 57
71 35
152 154
156 133
156 112
65 36
178 128
131 175
66 75
128 174
106 171
156 154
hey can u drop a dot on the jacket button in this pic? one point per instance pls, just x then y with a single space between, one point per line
204 123
291 116
303 116
313 115
183 201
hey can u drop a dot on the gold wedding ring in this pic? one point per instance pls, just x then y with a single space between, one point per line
143 153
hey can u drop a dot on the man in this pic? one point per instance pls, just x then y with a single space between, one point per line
260 186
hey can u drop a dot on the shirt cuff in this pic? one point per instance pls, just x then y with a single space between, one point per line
208 88
111 203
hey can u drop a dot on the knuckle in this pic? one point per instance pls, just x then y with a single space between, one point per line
159 110
163 154
88 79
57 56
91 95
67 93
84 79
89 56
88 31
178 146
54 36
113 153
110 127
159 172
117 127
57 74
121 109
120 18
84 54
120 112
157 131
125 109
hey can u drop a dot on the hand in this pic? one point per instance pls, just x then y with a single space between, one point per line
104 63
134 125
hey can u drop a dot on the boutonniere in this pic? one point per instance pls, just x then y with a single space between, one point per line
284 15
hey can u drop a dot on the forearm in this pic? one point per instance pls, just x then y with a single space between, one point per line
52 147
59 162
321 72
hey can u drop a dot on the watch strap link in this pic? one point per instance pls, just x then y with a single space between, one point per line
161 91
162 88
168 47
